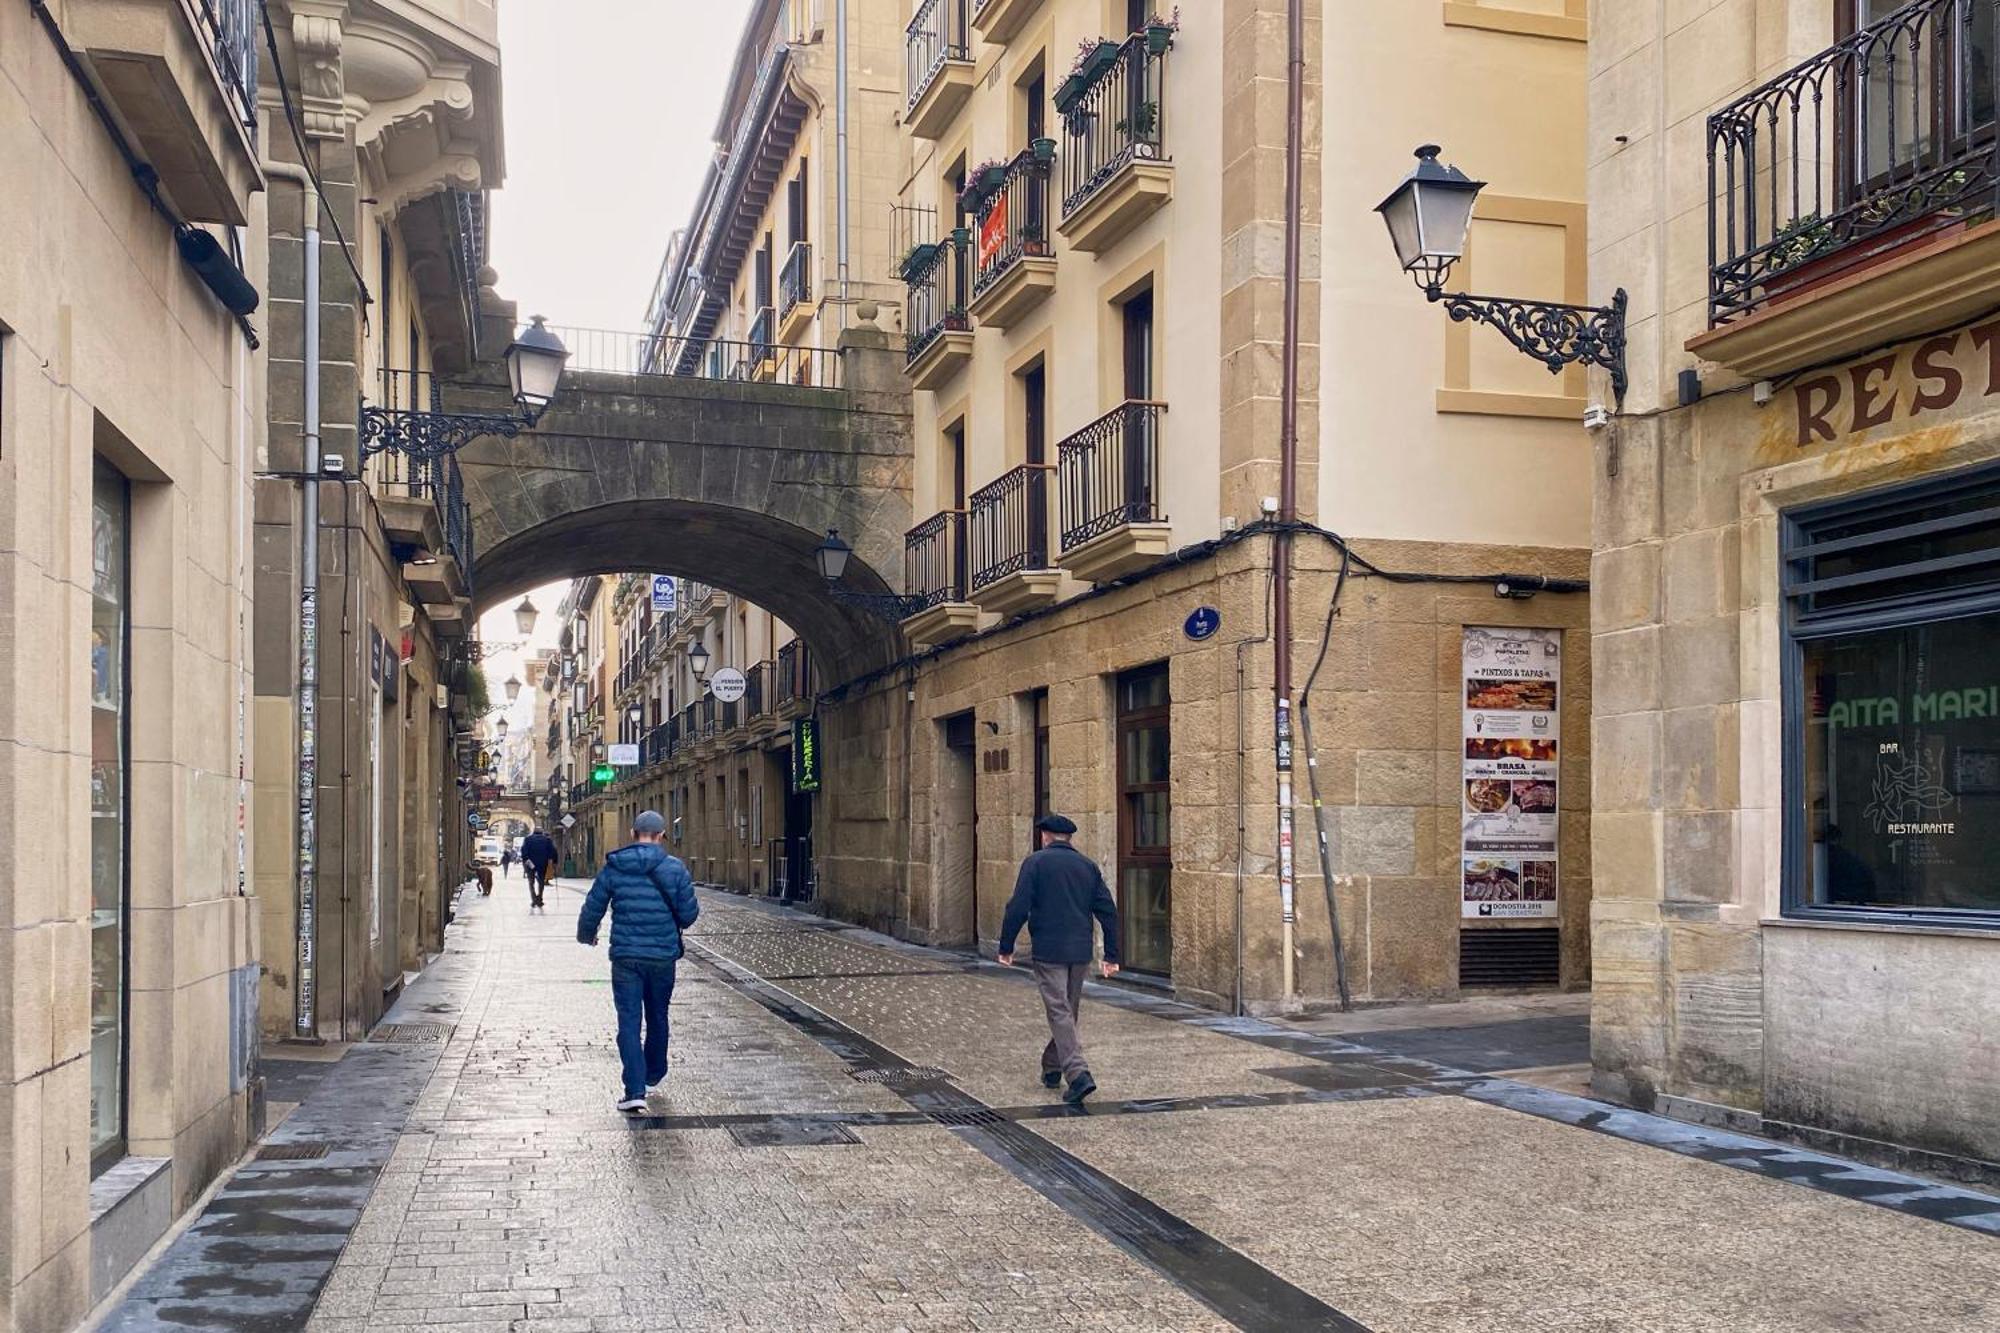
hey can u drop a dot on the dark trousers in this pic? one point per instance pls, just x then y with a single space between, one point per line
642 989
538 880
1061 985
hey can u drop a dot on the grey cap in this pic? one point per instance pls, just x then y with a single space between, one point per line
649 821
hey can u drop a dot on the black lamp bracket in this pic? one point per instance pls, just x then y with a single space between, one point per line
1554 333
430 435
890 606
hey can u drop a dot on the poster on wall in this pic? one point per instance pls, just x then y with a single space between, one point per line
1512 681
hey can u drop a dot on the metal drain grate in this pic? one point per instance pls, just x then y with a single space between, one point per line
968 1118
911 1077
792 1134
412 1032
292 1152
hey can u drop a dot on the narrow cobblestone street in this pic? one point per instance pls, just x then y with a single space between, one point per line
853 1137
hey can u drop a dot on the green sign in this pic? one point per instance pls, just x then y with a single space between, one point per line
805 754
603 773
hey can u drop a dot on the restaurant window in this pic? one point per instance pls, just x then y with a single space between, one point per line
110 841
1892 695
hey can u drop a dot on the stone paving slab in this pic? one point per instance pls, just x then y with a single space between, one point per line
1443 1215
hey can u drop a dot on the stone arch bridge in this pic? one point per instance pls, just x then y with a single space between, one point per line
733 483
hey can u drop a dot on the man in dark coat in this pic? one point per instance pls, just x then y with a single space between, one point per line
651 899
538 854
1058 893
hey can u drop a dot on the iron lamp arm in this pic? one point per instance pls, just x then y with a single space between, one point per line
1555 333
431 435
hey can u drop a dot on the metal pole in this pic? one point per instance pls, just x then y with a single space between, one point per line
1288 485
840 138
306 996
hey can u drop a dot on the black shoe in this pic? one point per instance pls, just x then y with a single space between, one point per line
1052 1078
1080 1087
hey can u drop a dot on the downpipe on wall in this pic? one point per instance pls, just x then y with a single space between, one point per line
305 992
1288 495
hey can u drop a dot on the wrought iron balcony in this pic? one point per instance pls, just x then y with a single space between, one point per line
1878 142
934 560
935 305
939 33
1108 473
229 29
795 280
698 358
1013 221
1010 524
1114 117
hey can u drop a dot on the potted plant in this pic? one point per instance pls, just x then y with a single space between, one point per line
1033 241
961 237
1067 92
980 184
918 259
956 320
1145 118
1043 149
1160 32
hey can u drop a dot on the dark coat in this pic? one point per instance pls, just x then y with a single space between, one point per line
1058 892
538 849
651 898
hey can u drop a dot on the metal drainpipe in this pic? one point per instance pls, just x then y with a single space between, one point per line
840 143
1288 485
305 996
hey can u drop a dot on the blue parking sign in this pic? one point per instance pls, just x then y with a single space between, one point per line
663 593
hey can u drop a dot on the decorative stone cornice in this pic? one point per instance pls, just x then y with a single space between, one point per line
316 47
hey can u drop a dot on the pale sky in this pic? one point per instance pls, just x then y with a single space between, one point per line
610 111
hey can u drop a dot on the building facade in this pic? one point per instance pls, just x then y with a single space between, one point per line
1089 237
130 389
1793 575
404 297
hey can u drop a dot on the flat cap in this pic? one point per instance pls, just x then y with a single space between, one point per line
649 821
1058 824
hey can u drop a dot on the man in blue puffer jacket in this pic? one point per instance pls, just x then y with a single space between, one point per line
651 898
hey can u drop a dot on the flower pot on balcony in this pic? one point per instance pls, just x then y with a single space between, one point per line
961 236
1043 149
919 259
1818 272
1159 38
1099 60
992 178
1067 92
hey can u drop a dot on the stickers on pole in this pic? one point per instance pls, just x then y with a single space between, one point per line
1512 683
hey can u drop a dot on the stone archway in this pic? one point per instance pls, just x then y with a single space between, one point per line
727 482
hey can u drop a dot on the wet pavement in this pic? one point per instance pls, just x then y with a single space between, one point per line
853 1136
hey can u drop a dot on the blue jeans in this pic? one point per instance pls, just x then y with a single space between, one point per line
642 987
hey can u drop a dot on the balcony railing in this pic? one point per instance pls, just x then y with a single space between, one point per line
794 672
1014 220
1117 118
911 229
1010 524
934 559
936 302
1881 139
1109 472
795 280
439 480
940 30
698 358
762 336
229 28
757 694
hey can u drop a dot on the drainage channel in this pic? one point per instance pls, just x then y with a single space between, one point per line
1227 1281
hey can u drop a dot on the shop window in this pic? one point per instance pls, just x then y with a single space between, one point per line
1892 697
110 838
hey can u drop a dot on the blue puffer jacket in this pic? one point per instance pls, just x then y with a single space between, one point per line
651 897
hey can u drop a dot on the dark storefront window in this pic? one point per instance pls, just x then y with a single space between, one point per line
1145 824
1893 699
110 641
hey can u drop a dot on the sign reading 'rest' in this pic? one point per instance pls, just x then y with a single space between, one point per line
1929 376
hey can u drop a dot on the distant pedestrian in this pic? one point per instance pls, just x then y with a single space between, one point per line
538 856
651 898
1058 893
507 862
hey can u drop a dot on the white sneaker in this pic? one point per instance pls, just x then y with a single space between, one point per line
632 1104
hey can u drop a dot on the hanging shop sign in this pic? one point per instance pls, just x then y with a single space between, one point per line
1512 682
663 594
805 754
1202 623
624 756
728 685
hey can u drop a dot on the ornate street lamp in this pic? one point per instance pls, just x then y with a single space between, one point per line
534 369
635 715
512 688
500 730
698 659
833 555
524 617
1428 216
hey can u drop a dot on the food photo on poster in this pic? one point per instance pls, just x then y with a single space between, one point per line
1512 739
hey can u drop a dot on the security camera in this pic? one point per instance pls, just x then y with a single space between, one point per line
333 465
1596 417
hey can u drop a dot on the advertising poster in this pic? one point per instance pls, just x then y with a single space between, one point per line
1512 683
